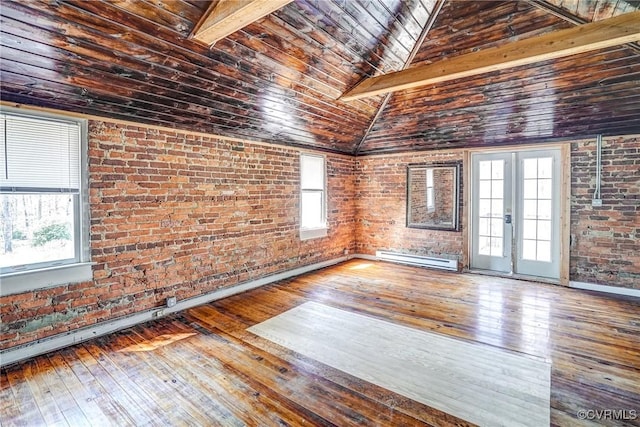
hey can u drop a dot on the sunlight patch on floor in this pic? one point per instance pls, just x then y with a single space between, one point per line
156 343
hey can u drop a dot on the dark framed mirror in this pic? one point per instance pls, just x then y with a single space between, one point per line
432 196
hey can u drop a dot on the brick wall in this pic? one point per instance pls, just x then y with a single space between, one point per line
441 213
381 212
417 182
605 245
181 214
443 194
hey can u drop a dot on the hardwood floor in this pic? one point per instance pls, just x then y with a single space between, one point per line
201 367
479 383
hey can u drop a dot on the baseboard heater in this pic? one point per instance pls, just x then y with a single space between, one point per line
422 261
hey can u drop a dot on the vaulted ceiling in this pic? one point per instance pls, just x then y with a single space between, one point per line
279 79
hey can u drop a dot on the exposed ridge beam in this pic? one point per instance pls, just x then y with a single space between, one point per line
567 16
582 38
225 17
416 48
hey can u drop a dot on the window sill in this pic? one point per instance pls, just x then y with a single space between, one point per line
25 281
313 233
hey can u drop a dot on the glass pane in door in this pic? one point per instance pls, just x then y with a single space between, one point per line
536 212
491 204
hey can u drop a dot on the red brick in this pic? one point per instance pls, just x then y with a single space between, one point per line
182 235
153 191
602 236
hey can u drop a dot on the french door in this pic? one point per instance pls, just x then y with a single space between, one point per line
515 211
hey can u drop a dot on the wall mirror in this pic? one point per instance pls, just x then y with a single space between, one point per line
432 196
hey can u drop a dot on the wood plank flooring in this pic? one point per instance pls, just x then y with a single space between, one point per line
479 383
202 367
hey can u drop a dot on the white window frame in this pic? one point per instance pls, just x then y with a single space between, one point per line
315 232
430 189
44 275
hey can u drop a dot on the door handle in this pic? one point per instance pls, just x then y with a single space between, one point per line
507 219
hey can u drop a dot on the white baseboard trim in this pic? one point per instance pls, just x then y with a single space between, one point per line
573 284
366 256
603 288
45 345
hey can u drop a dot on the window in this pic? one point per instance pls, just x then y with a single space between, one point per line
313 211
431 203
43 232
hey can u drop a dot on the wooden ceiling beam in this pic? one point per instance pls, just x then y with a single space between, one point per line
610 32
225 17
567 16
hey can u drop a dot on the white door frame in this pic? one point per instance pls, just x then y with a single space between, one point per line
565 205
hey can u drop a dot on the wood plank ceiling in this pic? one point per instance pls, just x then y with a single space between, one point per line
278 79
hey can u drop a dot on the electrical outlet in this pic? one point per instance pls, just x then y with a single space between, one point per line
596 203
171 301
158 313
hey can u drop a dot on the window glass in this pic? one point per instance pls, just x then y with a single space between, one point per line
40 193
36 228
312 172
313 192
431 203
311 209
